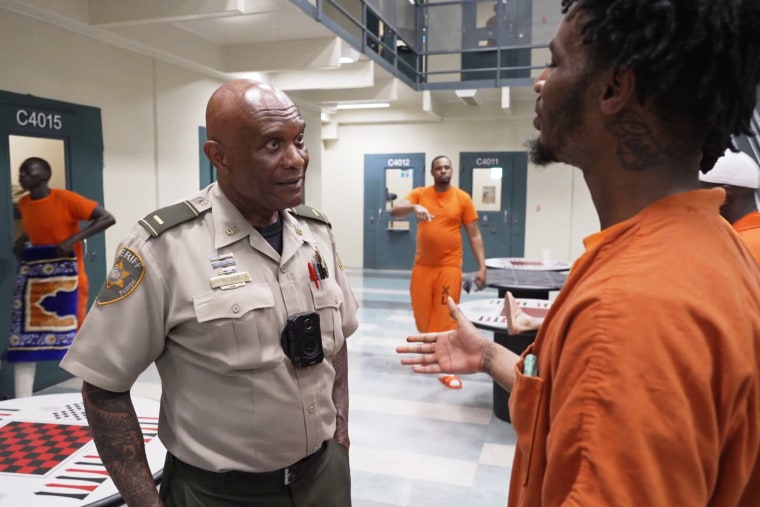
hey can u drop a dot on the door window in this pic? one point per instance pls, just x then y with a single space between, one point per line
23 147
398 184
486 188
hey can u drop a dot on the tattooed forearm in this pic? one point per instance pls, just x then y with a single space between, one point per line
638 148
340 396
487 365
119 441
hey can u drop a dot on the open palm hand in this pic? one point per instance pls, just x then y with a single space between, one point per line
458 351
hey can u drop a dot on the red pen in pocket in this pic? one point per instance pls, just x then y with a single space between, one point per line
313 274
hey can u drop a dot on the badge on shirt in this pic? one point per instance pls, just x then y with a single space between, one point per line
229 277
123 278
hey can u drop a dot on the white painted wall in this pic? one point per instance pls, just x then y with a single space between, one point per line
559 211
151 112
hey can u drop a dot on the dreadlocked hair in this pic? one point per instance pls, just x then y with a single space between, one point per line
698 61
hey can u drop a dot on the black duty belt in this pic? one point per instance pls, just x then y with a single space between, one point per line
283 477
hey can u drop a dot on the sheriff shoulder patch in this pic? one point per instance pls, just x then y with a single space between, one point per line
123 278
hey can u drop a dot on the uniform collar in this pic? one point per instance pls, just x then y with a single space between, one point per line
294 234
229 224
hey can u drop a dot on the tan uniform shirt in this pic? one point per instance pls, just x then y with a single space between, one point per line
231 398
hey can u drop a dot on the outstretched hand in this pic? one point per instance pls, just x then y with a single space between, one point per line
462 350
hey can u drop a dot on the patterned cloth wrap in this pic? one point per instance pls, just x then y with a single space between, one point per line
44 306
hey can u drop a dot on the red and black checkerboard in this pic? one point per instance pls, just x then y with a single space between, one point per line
32 448
48 458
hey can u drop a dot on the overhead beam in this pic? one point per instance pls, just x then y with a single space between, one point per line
469 96
120 12
355 75
330 131
431 105
319 53
385 90
174 41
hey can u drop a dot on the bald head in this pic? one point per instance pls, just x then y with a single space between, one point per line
240 102
256 142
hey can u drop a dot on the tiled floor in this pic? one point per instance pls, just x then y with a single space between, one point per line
413 442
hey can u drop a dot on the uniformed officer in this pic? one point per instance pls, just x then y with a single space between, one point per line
242 302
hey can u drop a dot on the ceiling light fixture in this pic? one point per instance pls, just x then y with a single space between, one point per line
363 105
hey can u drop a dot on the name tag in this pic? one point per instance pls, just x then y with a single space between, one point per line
230 281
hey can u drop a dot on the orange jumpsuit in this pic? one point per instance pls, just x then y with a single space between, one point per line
647 391
54 218
748 228
437 271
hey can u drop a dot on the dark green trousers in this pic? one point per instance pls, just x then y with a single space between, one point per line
326 483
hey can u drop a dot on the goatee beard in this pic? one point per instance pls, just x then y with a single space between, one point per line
539 154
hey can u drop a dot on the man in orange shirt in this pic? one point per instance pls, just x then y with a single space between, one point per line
51 216
642 387
441 210
739 175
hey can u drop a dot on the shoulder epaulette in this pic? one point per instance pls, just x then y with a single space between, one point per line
163 219
305 211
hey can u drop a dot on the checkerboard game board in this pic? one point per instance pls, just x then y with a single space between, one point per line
48 458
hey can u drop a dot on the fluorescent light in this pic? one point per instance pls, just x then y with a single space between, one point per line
363 105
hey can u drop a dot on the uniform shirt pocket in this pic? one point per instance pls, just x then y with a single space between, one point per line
525 405
327 301
239 327
232 303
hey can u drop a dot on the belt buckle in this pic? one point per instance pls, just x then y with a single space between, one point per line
289 476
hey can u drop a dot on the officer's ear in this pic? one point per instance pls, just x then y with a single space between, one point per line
214 150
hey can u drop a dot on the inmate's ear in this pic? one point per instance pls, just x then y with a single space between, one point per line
618 90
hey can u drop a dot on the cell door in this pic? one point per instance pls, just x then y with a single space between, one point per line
497 183
70 137
388 178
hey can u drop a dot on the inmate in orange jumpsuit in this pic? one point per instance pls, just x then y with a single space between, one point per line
54 218
648 389
748 228
437 271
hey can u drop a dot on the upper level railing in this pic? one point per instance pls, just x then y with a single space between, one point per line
444 44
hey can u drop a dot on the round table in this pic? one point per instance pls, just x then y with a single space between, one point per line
48 458
525 283
486 314
526 263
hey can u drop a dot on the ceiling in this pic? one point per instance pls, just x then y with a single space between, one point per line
270 40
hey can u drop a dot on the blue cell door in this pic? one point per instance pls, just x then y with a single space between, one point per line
70 135
497 182
390 243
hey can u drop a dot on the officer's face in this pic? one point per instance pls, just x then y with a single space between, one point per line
266 163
